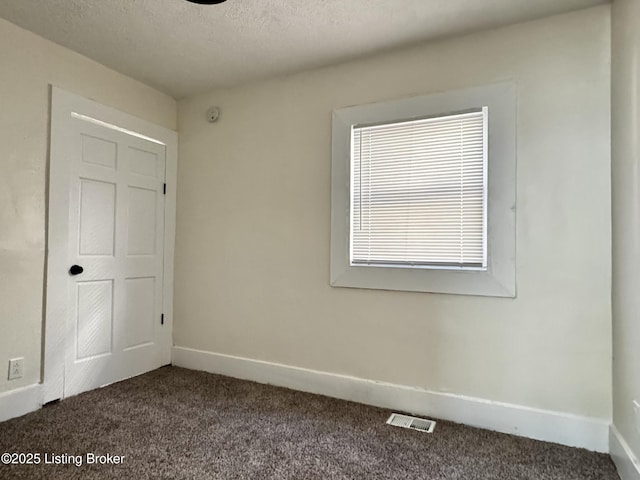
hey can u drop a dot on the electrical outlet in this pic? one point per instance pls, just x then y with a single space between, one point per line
15 368
636 410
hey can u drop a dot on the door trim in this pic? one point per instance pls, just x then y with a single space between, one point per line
64 106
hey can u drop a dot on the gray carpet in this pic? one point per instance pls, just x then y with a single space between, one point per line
179 424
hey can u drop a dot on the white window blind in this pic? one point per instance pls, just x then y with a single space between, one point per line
418 192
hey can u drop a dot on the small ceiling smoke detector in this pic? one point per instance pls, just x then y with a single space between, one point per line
206 2
213 114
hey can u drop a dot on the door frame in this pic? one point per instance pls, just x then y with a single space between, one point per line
64 107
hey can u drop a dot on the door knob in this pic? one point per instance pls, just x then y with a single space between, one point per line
76 270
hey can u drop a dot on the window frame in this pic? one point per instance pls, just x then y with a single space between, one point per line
499 277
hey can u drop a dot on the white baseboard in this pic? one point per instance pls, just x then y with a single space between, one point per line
20 401
626 462
547 425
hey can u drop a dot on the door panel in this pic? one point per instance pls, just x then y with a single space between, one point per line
142 221
99 151
94 319
144 162
141 304
96 228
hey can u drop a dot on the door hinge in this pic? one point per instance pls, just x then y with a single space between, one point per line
164 189
162 319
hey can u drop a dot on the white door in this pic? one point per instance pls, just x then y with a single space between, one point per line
113 267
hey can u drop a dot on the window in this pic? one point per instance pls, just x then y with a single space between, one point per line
423 193
418 192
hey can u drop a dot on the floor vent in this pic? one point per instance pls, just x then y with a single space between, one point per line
414 423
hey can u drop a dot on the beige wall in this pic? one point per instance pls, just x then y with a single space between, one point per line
626 217
252 260
28 64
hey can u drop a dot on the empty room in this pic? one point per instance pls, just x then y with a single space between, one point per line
338 239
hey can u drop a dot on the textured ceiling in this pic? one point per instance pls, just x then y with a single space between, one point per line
183 48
